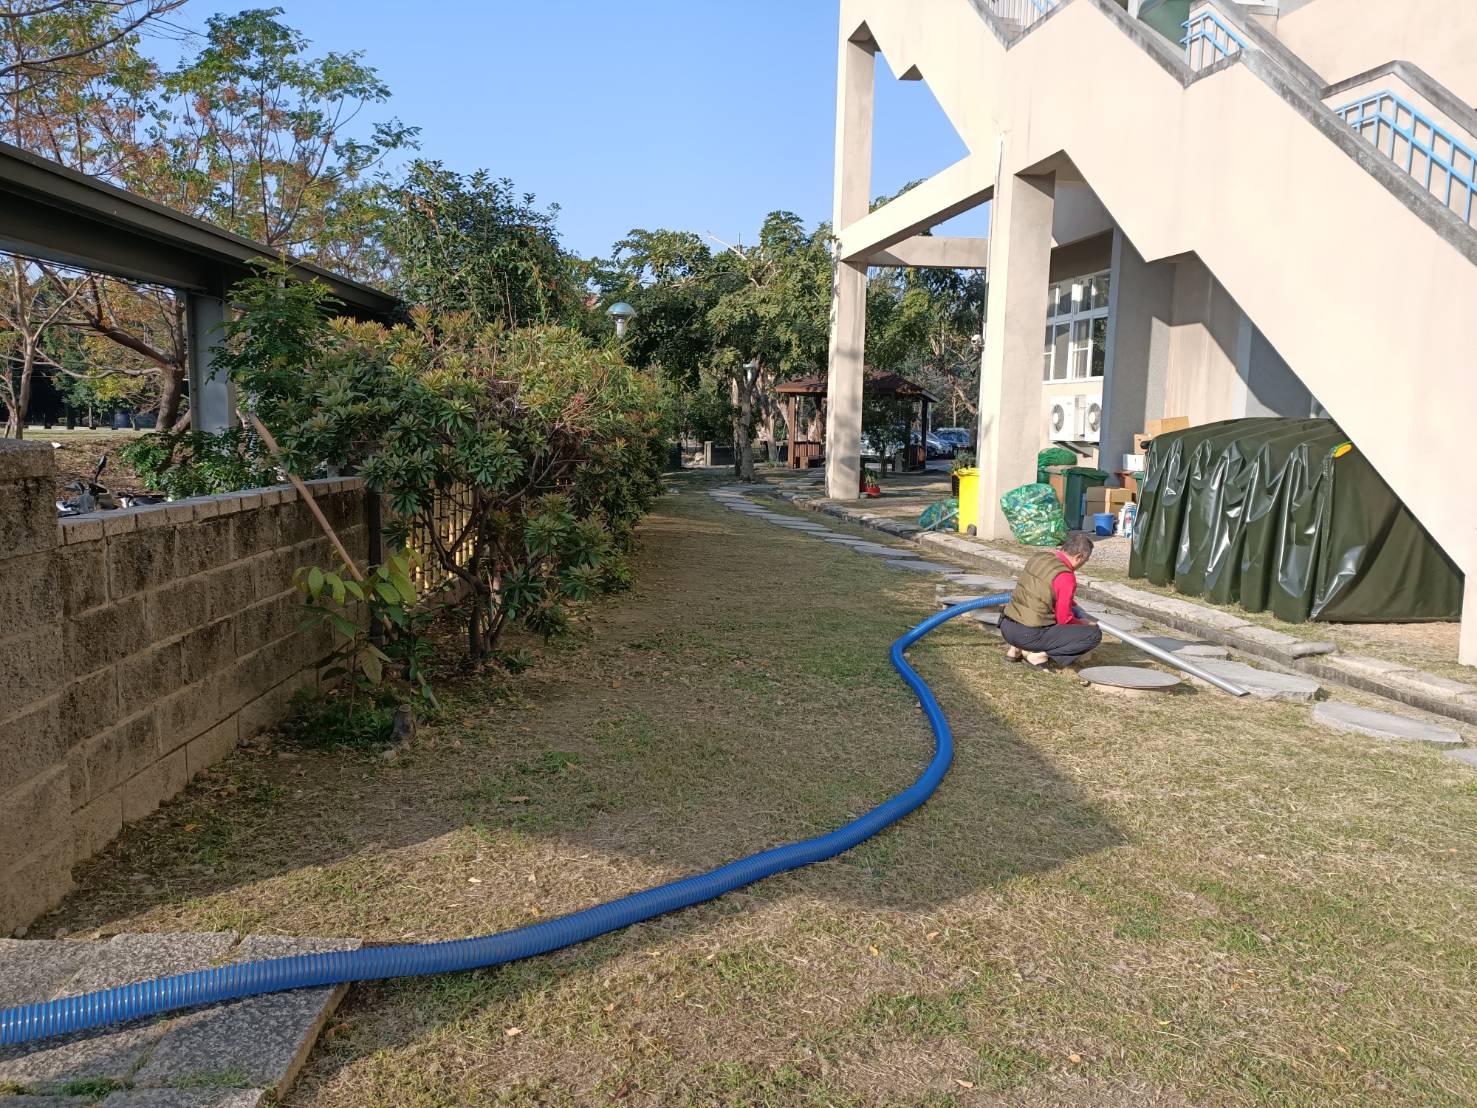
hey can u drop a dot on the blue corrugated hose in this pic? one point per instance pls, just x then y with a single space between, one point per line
210 986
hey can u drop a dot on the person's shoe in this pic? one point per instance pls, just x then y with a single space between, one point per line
1014 654
1039 661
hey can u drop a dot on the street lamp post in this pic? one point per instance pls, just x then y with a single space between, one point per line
622 313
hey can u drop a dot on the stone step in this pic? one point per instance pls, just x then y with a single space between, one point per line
919 566
1264 684
1383 725
1187 648
222 1056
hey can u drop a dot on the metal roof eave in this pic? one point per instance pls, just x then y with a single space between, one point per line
50 211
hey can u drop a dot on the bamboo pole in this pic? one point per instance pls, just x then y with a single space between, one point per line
308 498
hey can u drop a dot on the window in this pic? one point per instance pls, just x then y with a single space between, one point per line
1076 329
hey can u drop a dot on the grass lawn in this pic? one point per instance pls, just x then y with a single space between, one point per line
1187 900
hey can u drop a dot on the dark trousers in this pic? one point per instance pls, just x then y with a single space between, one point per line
1064 643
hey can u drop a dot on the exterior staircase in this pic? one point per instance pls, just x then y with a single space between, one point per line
1339 216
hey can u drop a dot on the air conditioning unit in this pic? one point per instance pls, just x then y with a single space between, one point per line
1077 417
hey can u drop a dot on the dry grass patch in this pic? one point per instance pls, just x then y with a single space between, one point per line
1161 902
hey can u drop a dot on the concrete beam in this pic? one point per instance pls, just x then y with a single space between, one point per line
965 184
1467 646
936 252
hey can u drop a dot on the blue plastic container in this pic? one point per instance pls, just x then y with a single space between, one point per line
1103 523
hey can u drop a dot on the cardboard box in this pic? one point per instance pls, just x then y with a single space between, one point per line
1133 463
1166 425
1130 482
1058 482
1141 444
1107 500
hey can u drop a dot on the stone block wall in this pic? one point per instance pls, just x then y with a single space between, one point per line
138 647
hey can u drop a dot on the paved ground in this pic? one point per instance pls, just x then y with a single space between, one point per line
226 1056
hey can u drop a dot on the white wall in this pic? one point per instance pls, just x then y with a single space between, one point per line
1342 38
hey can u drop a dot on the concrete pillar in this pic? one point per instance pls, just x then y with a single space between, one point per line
1015 317
1467 652
855 76
212 396
1136 370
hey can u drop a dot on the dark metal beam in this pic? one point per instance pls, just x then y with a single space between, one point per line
57 214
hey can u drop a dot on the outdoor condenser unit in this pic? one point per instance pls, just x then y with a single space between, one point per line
1077 417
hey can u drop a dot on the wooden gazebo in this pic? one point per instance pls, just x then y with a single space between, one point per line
804 453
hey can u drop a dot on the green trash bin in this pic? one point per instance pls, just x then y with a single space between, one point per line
1071 484
1052 456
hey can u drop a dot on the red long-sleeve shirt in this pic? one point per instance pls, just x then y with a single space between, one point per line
1064 591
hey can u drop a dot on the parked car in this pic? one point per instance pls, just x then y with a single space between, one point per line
937 447
959 438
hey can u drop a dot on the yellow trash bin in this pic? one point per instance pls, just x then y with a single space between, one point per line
969 497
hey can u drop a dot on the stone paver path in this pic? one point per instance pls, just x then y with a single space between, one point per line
222 1056
1383 725
1264 684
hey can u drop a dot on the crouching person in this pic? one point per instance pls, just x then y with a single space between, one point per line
1038 623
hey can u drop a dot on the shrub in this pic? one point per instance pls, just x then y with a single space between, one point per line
195 463
544 448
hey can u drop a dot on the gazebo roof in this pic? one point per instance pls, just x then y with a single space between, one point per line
887 384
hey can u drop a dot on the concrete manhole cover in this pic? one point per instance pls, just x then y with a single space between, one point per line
1128 679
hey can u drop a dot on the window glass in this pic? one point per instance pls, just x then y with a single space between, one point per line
1055 304
1076 329
1097 295
1059 343
1081 346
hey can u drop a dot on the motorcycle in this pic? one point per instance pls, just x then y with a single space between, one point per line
94 496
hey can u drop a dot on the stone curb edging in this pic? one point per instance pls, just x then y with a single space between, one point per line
1428 692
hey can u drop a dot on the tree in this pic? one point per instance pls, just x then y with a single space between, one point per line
472 243
773 320
669 277
38 38
259 137
29 307
253 133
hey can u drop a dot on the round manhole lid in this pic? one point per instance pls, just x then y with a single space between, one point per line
1129 677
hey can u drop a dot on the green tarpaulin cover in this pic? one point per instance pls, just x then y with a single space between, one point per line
1284 515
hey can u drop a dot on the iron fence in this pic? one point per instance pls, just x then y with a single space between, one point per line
1411 139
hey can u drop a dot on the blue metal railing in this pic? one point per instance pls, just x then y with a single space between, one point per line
1209 40
1430 153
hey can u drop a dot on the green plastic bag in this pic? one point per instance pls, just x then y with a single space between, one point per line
1035 515
940 514
1053 456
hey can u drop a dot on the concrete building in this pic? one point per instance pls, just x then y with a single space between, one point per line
1196 209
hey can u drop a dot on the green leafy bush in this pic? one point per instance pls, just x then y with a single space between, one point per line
340 720
544 448
387 601
195 463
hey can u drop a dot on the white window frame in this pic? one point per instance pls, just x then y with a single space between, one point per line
1064 308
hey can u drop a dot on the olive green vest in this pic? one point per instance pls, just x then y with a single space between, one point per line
1033 604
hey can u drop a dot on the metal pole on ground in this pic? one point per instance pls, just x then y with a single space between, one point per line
1170 660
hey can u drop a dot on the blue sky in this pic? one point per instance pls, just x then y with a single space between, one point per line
695 114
